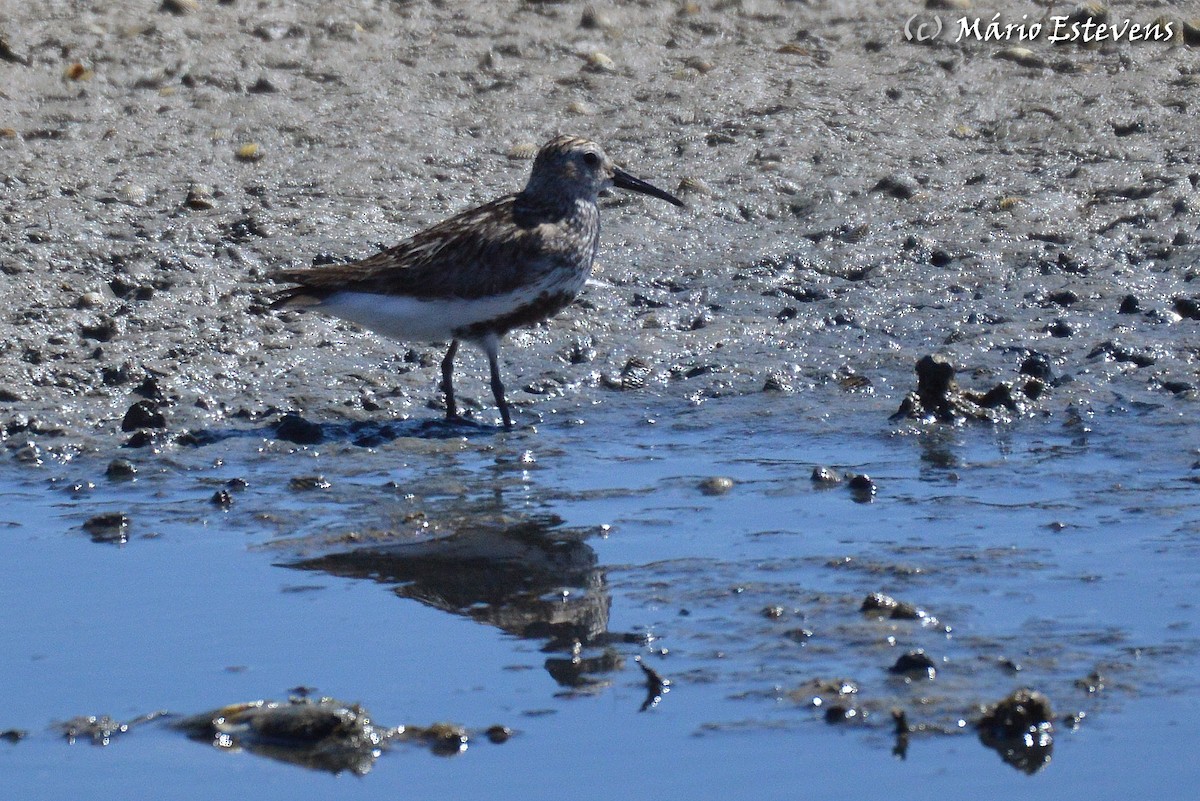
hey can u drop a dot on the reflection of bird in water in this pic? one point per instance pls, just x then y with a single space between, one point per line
532 579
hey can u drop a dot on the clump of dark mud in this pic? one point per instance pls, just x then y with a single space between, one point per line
939 397
1020 728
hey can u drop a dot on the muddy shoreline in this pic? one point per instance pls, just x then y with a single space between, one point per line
856 202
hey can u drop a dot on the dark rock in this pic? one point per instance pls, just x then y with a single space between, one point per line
294 428
878 602
914 663
149 389
1062 297
1060 328
247 227
7 53
1037 365
108 527
498 734
1020 728
887 606
1128 128
103 330
140 439
935 379
143 414
940 258
838 713
221 498
306 483
799 635
1129 305
115 376
1033 388
1188 307
1178 387
898 186
633 375
997 397
776 382
862 485
262 86
120 470
1121 353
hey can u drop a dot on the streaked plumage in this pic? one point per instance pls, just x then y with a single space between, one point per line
514 261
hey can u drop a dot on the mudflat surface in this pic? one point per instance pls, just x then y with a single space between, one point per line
856 202
1033 195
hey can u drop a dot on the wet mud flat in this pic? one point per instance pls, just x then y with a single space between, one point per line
857 203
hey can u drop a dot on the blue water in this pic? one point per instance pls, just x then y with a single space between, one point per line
197 610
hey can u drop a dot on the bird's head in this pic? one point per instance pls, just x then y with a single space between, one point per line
569 168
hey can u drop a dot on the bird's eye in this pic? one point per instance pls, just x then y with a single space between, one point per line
591 159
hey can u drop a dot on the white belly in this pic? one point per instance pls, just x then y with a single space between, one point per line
428 320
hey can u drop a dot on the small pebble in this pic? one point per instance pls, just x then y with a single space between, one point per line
716 485
498 734
826 475
1062 297
89 300
199 197
522 151
180 7
599 62
78 72
250 151
1022 56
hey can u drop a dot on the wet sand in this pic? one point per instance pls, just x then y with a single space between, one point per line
856 201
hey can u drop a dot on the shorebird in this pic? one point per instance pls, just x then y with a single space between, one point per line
515 261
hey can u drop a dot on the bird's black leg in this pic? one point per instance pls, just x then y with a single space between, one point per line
448 380
491 346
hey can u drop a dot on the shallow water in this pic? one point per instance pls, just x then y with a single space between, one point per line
1065 545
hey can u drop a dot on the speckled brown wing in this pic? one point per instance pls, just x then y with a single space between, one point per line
489 250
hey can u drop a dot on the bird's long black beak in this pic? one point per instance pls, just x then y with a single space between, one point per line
623 180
